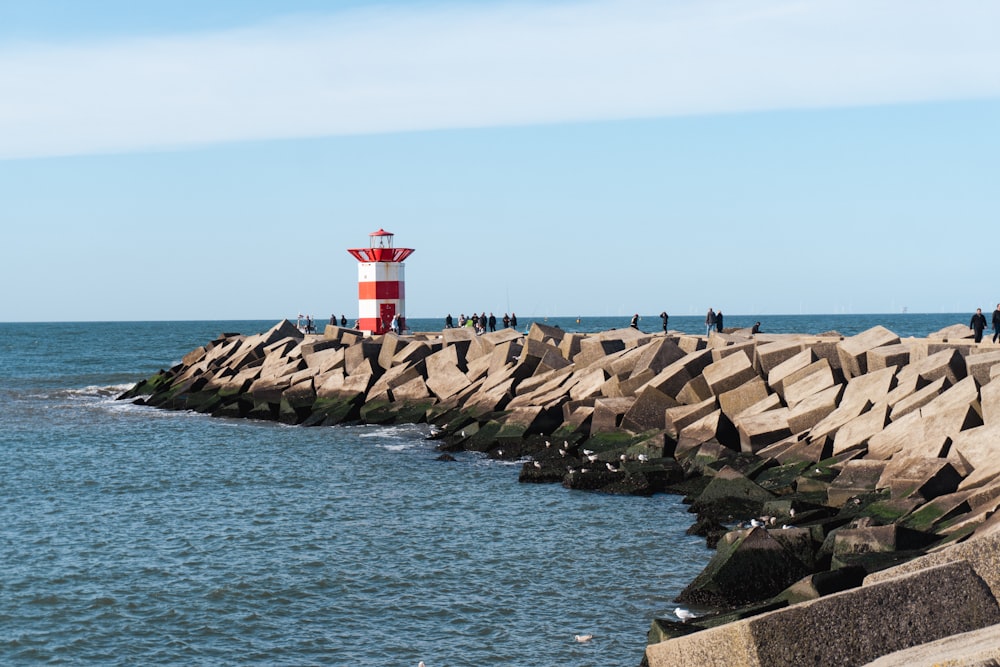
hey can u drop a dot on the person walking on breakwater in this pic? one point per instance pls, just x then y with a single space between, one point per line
448 322
635 321
665 318
996 323
718 321
977 324
709 322
394 324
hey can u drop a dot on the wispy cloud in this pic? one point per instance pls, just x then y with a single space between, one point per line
398 69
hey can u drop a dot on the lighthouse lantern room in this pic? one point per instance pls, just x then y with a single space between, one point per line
381 292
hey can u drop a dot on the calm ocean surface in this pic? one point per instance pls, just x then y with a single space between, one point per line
131 535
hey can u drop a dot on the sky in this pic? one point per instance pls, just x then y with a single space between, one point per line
181 160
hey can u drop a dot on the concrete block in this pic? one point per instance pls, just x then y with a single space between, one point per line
760 430
729 373
856 433
853 351
738 399
858 477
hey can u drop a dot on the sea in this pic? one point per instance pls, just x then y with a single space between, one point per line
131 535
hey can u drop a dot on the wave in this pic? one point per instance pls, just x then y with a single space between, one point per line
91 391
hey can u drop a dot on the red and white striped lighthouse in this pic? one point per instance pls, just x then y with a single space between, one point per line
381 292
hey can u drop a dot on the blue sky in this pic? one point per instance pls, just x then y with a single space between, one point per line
215 160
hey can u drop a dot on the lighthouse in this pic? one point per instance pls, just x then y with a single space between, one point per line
381 292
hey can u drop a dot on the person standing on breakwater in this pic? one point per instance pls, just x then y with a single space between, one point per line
718 321
513 320
635 321
665 318
461 320
493 322
394 324
709 322
333 320
996 323
448 322
343 320
978 323
506 320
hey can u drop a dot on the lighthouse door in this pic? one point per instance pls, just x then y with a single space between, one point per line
386 311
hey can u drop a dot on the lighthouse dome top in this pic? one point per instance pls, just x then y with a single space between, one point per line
380 249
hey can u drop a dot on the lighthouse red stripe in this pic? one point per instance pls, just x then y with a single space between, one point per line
380 290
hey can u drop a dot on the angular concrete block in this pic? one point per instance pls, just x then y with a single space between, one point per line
853 351
738 399
760 430
729 373
856 433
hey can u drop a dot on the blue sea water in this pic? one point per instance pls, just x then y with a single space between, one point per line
132 535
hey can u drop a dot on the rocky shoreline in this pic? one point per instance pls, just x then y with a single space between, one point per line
847 483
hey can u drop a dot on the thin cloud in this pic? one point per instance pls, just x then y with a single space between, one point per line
397 69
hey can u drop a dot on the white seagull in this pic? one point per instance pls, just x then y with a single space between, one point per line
583 638
756 523
588 452
592 458
684 614
643 458
537 464
611 467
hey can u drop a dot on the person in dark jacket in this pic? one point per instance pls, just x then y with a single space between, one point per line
718 321
665 318
635 321
978 323
709 322
493 322
513 320
506 320
996 323
448 322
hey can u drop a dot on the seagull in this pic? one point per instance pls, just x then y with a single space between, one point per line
583 638
611 467
592 458
623 458
756 523
791 512
537 464
548 444
643 458
463 433
499 452
562 452
588 452
421 664
684 614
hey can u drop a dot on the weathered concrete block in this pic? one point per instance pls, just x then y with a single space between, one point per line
979 365
811 410
848 628
777 374
977 447
777 356
587 383
738 399
752 567
444 377
695 391
760 430
887 356
921 433
853 351
990 401
713 426
927 476
683 415
608 413
729 373
980 648
856 433
811 380
857 478
673 378
647 411
918 399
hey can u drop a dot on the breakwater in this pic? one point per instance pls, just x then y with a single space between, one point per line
838 438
